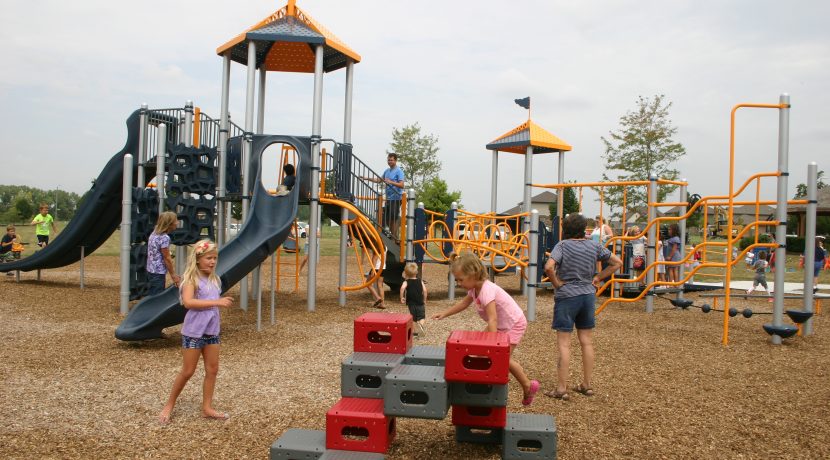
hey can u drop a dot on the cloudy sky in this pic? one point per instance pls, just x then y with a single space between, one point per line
74 71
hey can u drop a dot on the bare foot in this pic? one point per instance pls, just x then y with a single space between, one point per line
213 414
165 415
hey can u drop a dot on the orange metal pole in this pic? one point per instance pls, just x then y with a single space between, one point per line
197 127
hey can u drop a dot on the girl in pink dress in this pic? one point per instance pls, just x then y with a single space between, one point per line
200 291
496 308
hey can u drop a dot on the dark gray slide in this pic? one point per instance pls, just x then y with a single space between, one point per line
98 216
269 223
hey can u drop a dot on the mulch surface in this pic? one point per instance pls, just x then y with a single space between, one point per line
665 385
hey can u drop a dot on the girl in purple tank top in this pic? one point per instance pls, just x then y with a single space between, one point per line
200 291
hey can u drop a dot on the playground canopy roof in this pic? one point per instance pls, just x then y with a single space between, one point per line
528 133
285 43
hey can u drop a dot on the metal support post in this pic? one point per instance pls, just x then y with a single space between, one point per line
314 217
781 213
450 274
141 180
809 243
81 268
494 182
247 146
532 265
651 244
222 153
161 157
681 269
344 214
410 225
527 202
126 227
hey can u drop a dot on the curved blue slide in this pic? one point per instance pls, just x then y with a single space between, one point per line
98 216
269 223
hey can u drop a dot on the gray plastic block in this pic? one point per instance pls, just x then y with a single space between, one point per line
361 374
298 444
529 436
416 391
425 355
478 394
350 455
477 435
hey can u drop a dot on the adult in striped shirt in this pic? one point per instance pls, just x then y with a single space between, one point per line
572 271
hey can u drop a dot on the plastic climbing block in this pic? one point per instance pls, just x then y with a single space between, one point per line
362 374
416 391
529 436
425 355
359 425
297 444
478 394
478 435
383 332
191 170
349 455
477 357
195 218
138 271
494 417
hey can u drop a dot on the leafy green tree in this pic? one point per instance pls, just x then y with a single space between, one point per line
23 205
417 155
436 196
570 203
642 146
822 222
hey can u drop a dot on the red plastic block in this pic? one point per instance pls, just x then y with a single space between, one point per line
477 357
383 332
359 424
489 417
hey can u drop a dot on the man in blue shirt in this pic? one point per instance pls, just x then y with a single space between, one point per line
394 180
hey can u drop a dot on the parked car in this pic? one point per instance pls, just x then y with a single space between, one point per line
302 227
233 230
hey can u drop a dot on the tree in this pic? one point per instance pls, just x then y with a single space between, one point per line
436 197
801 189
822 222
570 204
641 147
417 155
23 205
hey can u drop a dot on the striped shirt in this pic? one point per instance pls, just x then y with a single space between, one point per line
576 265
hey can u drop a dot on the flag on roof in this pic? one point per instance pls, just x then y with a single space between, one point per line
524 102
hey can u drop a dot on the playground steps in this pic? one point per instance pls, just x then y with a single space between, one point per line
469 374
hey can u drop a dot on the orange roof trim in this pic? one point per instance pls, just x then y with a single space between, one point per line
331 39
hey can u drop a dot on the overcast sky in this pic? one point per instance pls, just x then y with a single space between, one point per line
74 71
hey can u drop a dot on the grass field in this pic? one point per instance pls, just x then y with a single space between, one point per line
330 246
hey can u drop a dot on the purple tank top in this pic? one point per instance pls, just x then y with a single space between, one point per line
203 321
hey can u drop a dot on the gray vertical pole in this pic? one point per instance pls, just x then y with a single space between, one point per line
142 145
527 202
410 225
260 127
126 226
532 265
344 213
451 275
682 224
247 146
181 251
81 268
314 218
651 244
809 243
560 194
273 280
222 152
161 156
494 183
781 213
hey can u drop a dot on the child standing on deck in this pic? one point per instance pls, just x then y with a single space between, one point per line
200 294
414 295
496 308
159 262
43 223
760 267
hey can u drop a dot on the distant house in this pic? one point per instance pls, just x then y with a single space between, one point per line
540 202
822 209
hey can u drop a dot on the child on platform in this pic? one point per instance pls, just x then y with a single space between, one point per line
200 292
760 267
496 308
414 295
159 262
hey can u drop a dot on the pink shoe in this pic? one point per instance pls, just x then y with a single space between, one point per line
534 388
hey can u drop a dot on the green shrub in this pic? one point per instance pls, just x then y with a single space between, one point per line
795 244
747 240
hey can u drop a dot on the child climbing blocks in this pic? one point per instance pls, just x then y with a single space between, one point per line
359 425
416 391
529 436
361 374
383 333
477 357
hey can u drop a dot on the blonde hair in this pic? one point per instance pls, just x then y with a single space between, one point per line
191 272
633 230
9 227
468 264
165 221
410 270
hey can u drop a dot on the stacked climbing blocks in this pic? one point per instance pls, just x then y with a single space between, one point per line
386 377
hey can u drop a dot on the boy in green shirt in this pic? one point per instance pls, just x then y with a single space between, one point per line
44 223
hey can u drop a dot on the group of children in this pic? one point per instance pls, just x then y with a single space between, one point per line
11 246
